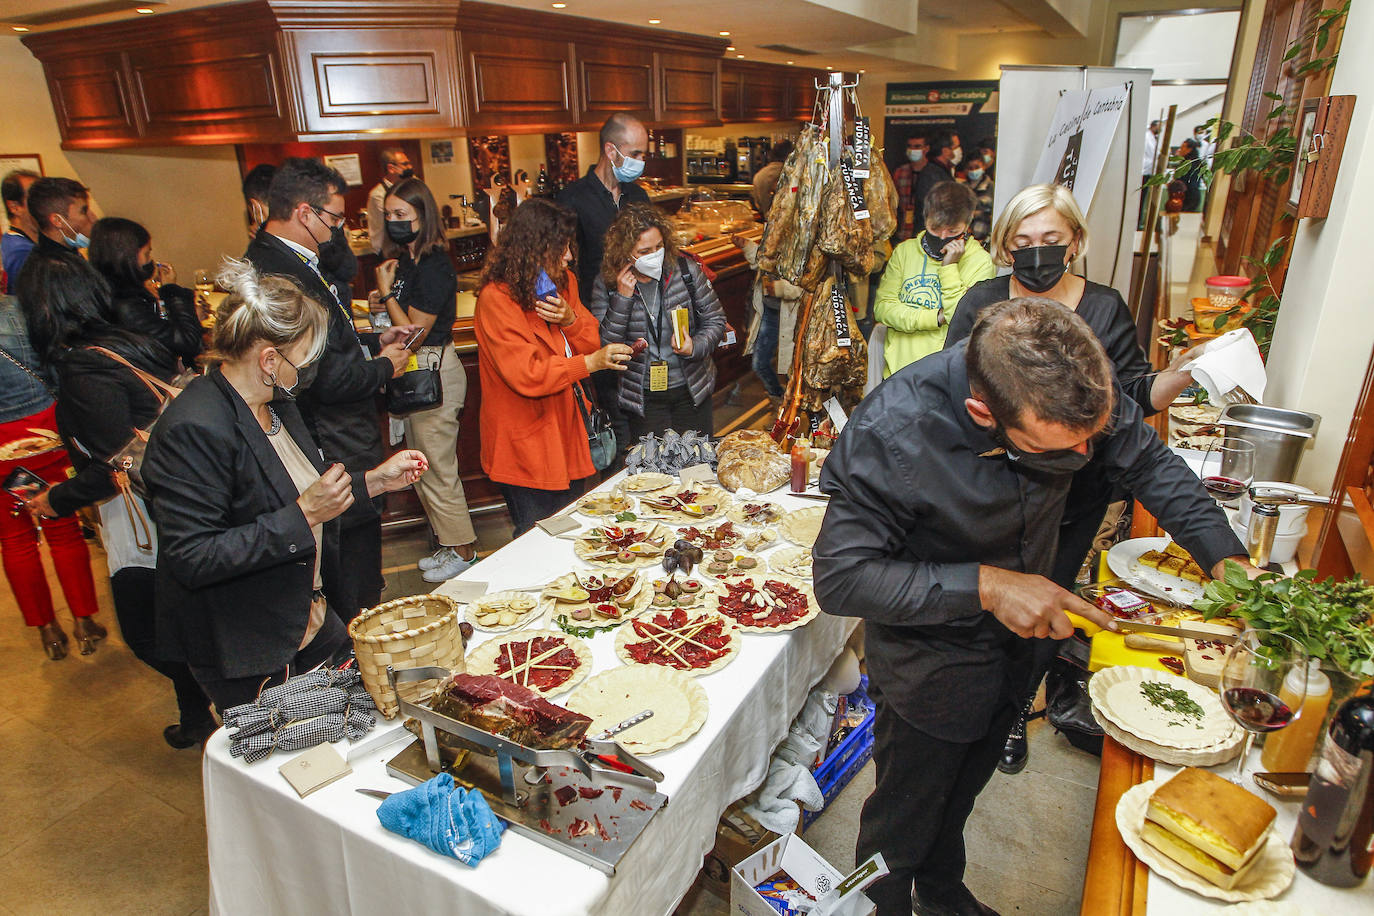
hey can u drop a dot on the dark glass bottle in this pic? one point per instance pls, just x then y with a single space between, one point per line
542 186
1334 839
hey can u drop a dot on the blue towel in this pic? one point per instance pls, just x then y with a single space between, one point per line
450 820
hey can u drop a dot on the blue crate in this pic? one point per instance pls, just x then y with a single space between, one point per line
854 751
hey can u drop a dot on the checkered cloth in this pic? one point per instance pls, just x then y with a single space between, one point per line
309 709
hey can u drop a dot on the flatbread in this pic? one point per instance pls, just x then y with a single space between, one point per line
647 552
482 659
600 505
707 495
639 596
679 704
801 526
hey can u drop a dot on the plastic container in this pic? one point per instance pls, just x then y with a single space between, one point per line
1288 750
1279 435
848 758
1224 291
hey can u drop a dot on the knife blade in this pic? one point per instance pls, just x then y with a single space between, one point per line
1135 626
617 729
374 793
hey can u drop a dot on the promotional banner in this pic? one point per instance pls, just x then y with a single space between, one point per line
968 108
1079 137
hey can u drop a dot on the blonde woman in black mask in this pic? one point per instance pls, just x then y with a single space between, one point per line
1039 235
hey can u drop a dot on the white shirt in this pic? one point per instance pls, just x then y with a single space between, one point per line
376 221
311 257
1147 165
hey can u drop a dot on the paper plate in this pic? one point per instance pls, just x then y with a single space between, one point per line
485 604
1268 877
679 704
1121 711
482 659
626 635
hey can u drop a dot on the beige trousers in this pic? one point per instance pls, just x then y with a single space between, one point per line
435 432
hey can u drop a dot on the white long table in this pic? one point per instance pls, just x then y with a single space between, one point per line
273 852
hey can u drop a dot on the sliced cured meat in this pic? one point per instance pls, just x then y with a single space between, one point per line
554 662
770 604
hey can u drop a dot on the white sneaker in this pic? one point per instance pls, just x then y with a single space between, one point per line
449 568
438 558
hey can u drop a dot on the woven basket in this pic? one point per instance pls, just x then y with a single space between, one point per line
413 632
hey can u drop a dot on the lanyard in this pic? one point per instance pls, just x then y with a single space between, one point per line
347 316
657 343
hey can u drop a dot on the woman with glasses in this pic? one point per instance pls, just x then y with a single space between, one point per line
245 503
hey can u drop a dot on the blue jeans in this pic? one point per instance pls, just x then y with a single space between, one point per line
765 348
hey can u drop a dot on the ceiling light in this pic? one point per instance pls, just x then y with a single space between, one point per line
830 68
729 47
145 10
863 71
559 6
789 61
655 21
724 34
20 28
741 56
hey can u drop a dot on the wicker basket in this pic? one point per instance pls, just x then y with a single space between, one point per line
412 632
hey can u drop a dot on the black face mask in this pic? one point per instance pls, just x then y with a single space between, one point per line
935 246
336 258
1039 268
146 271
405 174
1059 461
400 232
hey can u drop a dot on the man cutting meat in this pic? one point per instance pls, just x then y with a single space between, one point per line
946 489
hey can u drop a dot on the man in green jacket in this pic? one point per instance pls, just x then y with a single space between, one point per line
926 277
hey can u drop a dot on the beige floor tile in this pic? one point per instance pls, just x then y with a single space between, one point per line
1033 828
138 751
1007 895
152 860
1053 755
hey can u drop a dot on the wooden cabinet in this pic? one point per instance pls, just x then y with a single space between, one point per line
764 96
613 78
90 96
689 89
802 94
731 98
517 82
765 92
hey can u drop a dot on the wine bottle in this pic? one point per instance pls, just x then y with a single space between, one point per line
1334 839
541 184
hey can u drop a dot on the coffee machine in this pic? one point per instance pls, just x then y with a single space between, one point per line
751 154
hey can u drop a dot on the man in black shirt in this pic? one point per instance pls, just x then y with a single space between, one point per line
939 167
946 490
305 204
596 198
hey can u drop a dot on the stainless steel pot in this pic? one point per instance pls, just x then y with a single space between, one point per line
1279 436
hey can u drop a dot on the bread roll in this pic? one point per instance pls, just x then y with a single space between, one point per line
1219 819
759 469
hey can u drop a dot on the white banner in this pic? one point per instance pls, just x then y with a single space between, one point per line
1080 135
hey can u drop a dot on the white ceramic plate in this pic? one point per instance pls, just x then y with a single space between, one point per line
1268 877
1124 560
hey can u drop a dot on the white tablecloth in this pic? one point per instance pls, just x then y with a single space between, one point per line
273 852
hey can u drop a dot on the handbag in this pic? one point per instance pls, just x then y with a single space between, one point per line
416 389
127 462
600 436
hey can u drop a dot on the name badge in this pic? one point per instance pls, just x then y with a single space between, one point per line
658 376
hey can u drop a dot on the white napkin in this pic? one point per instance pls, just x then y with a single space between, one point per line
1230 361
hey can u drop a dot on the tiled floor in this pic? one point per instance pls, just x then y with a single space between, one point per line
102 817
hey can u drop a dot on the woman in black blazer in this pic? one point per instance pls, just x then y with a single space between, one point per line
244 500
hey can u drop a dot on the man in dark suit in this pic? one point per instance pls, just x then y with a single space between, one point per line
305 204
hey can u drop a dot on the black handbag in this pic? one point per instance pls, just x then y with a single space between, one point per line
416 389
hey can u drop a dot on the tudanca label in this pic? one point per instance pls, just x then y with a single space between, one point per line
837 311
863 147
855 190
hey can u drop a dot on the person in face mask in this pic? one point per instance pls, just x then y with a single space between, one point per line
417 286
904 177
979 180
1039 234
61 208
247 506
143 294
938 169
396 168
945 490
648 291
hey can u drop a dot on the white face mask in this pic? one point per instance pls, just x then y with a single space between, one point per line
956 155
651 264
915 155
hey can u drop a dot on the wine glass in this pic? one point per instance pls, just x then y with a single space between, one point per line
204 283
1255 670
1228 468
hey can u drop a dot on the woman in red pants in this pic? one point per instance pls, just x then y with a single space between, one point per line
26 411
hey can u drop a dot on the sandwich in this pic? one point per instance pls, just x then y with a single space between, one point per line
1211 827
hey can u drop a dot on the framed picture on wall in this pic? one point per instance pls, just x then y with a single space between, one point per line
17 161
1306 127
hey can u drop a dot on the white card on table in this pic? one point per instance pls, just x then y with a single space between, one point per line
557 524
314 769
698 475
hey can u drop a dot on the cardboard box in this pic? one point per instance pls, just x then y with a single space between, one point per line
738 836
801 863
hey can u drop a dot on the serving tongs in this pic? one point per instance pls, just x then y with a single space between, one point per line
594 757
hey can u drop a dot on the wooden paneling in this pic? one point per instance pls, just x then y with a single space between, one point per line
731 94
802 94
613 78
518 82
689 89
766 92
369 80
91 100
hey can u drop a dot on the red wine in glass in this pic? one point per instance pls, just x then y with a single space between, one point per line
1256 710
1223 489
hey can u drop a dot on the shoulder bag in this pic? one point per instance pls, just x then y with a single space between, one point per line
600 435
729 338
415 389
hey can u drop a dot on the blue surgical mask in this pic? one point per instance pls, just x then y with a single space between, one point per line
629 169
915 155
82 240
975 174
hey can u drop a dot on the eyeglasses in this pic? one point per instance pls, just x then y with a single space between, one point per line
336 217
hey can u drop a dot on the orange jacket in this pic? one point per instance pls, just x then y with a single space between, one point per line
532 432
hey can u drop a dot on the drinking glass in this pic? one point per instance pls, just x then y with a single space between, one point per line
1255 670
204 283
1228 468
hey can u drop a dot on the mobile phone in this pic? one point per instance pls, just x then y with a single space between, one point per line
24 484
543 286
415 337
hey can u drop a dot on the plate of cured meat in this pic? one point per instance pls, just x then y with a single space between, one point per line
545 661
623 546
684 505
599 598
696 643
711 537
765 604
758 514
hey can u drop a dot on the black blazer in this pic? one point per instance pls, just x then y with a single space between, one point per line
235 556
340 406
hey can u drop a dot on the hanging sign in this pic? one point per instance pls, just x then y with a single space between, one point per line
863 147
854 188
1079 138
838 311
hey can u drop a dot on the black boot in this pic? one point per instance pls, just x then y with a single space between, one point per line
1017 750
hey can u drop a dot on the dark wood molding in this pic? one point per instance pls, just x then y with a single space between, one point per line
365 14
505 20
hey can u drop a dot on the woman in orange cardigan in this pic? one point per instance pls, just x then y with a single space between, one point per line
531 356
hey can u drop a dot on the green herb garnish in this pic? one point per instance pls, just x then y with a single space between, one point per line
1173 702
572 629
626 516
1331 620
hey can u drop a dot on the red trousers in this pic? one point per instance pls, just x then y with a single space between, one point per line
19 538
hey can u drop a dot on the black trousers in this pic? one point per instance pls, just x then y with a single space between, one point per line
133 593
528 505
672 409
330 645
925 791
357 581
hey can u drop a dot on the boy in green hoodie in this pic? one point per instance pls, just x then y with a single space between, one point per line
927 276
